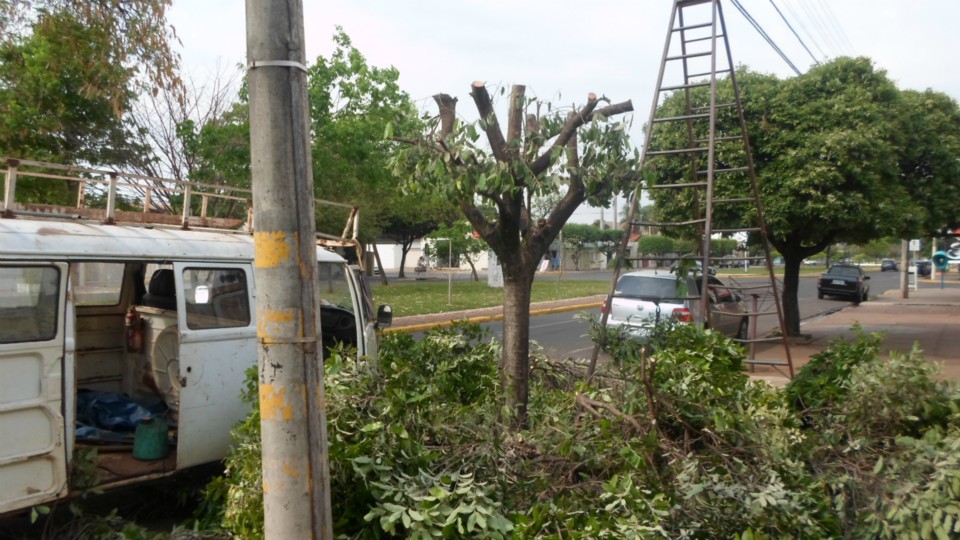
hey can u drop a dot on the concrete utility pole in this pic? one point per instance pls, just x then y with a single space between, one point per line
296 476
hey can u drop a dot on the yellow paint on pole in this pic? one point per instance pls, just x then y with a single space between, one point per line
273 323
271 248
291 470
273 403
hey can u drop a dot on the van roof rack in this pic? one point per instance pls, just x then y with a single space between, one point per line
221 207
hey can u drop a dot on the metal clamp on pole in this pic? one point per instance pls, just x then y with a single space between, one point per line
276 63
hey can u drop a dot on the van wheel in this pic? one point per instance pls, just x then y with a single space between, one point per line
744 330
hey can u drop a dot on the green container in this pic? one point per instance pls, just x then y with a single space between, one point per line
150 439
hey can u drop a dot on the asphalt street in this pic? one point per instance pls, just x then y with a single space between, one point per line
564 334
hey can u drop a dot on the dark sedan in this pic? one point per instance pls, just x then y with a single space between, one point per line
844 280
888 264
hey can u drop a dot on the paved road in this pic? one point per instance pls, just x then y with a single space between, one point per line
565 334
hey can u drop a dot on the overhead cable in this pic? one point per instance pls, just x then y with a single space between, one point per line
763 34
805 30
836 24
790 26
820 25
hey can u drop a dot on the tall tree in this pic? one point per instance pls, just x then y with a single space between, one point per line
136 36
579 149
826 158
351 105
59 101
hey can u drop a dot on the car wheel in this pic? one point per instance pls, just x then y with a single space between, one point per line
819 294
865 296
744 330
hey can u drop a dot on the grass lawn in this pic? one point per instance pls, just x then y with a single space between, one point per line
430 296
421 297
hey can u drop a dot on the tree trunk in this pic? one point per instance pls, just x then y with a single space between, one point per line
517 283
473 269
791 283
383 273
404 249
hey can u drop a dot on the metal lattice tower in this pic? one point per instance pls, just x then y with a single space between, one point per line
710 168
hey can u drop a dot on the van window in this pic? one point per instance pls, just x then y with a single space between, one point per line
96 283
28 303
333 286
216 298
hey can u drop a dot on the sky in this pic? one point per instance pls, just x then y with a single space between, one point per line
562 50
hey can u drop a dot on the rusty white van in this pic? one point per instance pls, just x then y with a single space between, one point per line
106 327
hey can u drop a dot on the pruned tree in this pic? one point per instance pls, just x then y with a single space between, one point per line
581 150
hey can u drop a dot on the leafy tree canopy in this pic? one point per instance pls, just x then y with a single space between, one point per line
351 104
841 155
60 96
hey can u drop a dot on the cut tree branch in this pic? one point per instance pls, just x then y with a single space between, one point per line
574 121
448 112
491 125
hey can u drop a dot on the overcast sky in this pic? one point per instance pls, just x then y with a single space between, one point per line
562 50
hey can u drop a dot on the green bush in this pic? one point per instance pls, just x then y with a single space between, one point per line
676 444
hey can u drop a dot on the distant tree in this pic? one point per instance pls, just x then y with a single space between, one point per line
412 219
576 237
580 151
721 247
608 242
170 122
464 244
655 245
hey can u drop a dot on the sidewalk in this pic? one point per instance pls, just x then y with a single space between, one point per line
929 317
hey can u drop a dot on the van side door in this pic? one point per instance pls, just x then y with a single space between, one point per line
33 465
218 343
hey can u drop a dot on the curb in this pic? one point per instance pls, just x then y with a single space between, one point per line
488 318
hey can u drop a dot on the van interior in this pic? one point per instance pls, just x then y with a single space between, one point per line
126 344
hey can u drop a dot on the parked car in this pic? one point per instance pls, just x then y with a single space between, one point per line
844 280
888 264
924 268
644 298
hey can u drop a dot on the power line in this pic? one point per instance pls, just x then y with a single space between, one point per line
790 26
805 30
832 19
764 35
817 19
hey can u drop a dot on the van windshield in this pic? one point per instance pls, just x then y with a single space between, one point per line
334 289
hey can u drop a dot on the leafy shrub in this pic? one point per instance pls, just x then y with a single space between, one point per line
675 444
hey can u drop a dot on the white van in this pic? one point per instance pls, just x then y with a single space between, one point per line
104 327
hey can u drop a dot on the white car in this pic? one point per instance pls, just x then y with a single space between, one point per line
644 298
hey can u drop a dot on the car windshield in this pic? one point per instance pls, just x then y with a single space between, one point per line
646 287
849 271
